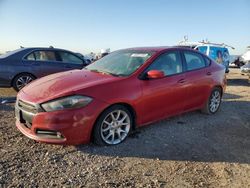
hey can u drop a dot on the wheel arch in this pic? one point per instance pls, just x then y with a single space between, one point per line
126 105
219 87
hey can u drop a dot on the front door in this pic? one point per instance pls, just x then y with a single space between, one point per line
70 61
166 96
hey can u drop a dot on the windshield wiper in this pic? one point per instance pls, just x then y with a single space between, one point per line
103 72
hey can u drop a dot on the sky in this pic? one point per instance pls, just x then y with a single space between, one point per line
91 25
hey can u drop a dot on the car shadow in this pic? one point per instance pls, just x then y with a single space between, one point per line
227 96
223 137
238 82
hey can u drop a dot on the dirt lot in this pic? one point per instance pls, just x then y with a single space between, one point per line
191 150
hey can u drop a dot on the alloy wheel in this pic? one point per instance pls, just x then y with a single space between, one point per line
23 81
215 101
115 127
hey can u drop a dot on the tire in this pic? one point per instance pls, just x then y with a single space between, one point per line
22 80
240 64
113 126
213 103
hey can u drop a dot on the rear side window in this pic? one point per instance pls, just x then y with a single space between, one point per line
207 61
70 58
194 61
170 63
31 57
43 56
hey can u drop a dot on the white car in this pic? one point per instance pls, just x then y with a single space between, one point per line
246 56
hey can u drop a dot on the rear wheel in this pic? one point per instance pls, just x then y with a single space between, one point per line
22 80
213 103
113 126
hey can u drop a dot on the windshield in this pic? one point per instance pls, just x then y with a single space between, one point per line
203 49
9 53
120 63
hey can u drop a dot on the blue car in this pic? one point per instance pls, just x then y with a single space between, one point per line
20 67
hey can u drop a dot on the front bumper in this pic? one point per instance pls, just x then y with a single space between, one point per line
60 127
245 70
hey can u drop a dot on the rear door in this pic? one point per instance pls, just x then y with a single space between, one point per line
44 62
198 79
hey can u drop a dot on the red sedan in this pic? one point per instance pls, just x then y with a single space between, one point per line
120 92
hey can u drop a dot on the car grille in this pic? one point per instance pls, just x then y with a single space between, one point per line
27 107
25 112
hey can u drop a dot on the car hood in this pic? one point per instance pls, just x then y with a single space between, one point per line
62 84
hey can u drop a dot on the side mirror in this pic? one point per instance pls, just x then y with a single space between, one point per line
154 74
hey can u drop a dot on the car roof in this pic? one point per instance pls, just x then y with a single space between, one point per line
157 48
25 50
42 48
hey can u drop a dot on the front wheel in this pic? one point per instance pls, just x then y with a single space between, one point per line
22 80
113 126
213 103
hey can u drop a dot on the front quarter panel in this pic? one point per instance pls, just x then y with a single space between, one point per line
127 90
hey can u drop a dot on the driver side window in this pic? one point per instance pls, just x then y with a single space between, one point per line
70 58
170 63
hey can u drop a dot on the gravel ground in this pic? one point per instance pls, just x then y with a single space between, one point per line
190 150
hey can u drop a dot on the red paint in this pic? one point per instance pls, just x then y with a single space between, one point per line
155 74
152 99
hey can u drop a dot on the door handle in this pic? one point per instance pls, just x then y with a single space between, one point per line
181 81
209 73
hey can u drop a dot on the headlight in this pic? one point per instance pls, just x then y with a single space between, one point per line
70 102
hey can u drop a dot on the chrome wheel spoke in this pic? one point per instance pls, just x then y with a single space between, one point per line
122 120
28 80
122 124
106 129
122 131
113 137
118 115
107 137
21 80
119 134
106 122
112 116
